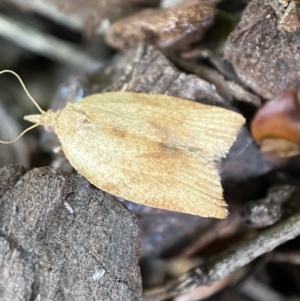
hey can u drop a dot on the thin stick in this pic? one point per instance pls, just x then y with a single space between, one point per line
25 89
46 45
219 267
259 291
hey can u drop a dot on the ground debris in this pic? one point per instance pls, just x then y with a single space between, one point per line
53 253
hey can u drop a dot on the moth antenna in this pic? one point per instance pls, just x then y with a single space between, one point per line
25 131
25 89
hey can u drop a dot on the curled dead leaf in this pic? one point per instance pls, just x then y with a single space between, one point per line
276 126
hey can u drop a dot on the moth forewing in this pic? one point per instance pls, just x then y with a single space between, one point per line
155 150
166 119
143 158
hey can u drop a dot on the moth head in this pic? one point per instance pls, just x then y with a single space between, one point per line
46 118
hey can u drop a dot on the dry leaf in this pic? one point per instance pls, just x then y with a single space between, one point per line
155 150
276 126
276 148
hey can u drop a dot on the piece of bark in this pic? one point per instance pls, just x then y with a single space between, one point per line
175 27
154 73
63 239
267 211
265 58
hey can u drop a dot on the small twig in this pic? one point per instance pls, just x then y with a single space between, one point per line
230 260
51 47
226 88
50 9
291 258
221 229
261 292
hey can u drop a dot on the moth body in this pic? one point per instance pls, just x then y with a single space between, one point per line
155 150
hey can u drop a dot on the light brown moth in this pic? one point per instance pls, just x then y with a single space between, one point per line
154 150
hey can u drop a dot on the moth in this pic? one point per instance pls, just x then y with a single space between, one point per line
155 150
